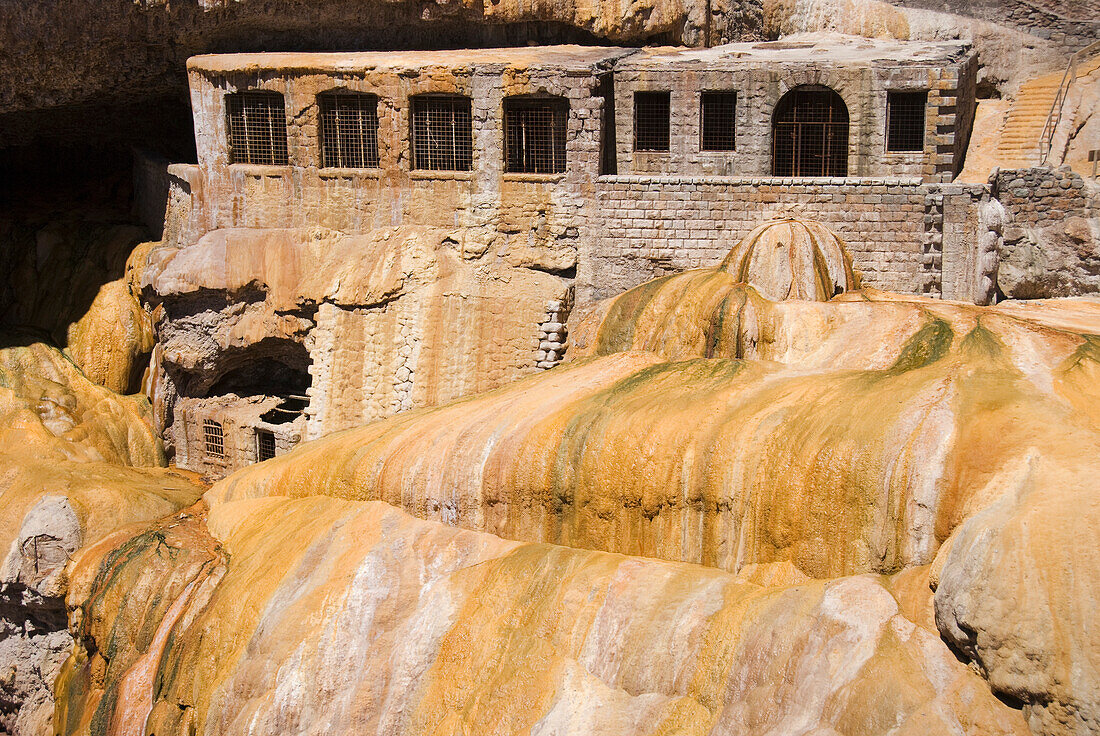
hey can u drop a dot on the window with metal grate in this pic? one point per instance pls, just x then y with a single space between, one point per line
213 438
810 133
265 445
534 135
905 120
349 130
717 112
257 128
651 121
442 133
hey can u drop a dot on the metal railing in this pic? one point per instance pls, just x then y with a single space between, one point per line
1054 117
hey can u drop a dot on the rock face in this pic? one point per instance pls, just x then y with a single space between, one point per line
372 324
1017 593
71 457
111 61
113 340
74 276
319 615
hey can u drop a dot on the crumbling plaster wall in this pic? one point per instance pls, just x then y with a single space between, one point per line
534 217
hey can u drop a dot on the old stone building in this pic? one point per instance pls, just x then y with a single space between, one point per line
417 226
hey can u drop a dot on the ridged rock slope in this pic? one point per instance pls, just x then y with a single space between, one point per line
723 429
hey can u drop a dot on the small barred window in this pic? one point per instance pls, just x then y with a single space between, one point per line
651 121
534 135
213 438
442 133
349 131
257 128
265 445
716 120
905 120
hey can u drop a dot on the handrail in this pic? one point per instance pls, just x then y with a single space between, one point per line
1054 117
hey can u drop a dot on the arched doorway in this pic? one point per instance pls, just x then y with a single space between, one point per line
810 133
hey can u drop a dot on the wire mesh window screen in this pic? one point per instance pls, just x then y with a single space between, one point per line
257 128
349 131
442 133
534 135
265 445
810 134
651 121
716 114
213 438
905 120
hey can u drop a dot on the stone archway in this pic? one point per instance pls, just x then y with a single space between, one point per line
810 133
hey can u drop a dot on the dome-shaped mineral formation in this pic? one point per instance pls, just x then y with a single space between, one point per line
793 259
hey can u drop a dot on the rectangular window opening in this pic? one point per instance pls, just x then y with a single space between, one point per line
605 89
905 121
349 131
717 112
265 445
213 438
534 135
442 133
257 128
651 121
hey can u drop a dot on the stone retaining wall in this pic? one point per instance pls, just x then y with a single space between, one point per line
903 235
1040 194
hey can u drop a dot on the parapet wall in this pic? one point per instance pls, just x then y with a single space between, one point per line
904 235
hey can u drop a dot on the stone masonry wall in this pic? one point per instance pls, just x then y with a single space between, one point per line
1051 245
760 88
1039 195
899 231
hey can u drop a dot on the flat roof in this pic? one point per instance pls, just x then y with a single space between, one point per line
828 48
565 58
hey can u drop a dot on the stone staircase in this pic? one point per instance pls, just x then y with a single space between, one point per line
1007 132
1018 144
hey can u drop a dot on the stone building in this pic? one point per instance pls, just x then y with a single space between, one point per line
490 191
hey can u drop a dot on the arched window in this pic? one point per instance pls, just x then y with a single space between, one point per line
810 133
